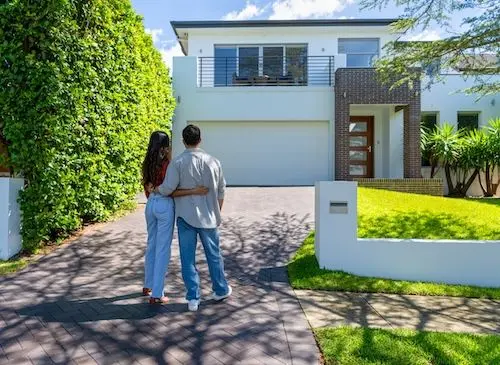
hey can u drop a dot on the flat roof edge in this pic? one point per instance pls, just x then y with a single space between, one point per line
279 23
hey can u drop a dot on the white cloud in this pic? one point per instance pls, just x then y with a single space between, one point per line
346 17
426 35
291 9
248 12
300 9
155 34
168 53
168 49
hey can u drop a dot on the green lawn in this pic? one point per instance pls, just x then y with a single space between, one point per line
12 266
388 214
363 346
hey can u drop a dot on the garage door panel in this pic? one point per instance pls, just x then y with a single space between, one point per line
269 153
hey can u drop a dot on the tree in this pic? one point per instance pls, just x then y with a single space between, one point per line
427 148
464 155
491 158
474 51
469 162
81 89
444 142
460 155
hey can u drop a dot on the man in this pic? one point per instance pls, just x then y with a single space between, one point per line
198 215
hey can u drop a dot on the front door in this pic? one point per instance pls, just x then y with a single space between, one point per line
361 147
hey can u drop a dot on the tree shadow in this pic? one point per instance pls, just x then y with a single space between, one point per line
489 201
100 309
83 300
424 224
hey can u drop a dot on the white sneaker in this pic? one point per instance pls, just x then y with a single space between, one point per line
193 305
222 297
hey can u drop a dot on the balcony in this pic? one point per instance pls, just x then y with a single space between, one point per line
298 71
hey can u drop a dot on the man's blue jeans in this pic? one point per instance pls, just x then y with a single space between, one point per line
160 222
188 236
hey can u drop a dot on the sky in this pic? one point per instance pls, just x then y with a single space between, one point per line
158 14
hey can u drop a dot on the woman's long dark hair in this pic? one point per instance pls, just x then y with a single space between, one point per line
152 165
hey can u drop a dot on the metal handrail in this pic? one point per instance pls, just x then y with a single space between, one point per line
266 71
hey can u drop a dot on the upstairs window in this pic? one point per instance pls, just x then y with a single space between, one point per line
258 64
360 52
224 65
468 120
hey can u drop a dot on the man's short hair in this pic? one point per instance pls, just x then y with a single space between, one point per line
191 135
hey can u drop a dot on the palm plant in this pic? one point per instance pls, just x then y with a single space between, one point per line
445 149
426 146
491 158
470 160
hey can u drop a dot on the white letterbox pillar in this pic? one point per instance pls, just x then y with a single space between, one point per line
336 222
10 217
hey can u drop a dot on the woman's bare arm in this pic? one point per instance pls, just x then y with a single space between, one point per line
200 190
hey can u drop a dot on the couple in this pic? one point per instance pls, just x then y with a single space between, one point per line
196 182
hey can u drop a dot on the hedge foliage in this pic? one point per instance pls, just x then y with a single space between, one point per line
81 89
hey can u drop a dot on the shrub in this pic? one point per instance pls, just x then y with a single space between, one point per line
491 160
81 89
427 149
463 155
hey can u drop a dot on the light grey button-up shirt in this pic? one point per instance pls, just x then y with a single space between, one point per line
194 167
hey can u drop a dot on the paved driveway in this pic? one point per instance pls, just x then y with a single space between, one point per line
81 303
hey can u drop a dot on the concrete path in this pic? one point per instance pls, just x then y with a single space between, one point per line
82 303
447 314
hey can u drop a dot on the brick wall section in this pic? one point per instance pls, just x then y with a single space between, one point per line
416 186
360 86
412 153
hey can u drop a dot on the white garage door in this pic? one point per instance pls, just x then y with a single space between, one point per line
269 153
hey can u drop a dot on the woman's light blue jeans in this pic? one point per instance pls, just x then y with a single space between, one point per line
160 213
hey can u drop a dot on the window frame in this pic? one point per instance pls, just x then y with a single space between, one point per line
425 162
475 113
261 53
377 55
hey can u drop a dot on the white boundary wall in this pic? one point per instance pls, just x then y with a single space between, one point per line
442 261
10 217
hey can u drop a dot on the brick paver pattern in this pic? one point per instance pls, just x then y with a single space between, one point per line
82 303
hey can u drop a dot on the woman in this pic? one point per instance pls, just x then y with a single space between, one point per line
159 216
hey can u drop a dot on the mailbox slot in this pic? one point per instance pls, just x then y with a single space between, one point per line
338 207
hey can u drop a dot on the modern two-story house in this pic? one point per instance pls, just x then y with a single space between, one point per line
294 102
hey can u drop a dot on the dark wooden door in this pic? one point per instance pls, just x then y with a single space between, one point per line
361 147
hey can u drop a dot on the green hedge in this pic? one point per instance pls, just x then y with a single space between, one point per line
81 89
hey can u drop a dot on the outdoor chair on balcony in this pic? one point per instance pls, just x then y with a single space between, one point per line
265 80
285 80
261 80
242 80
